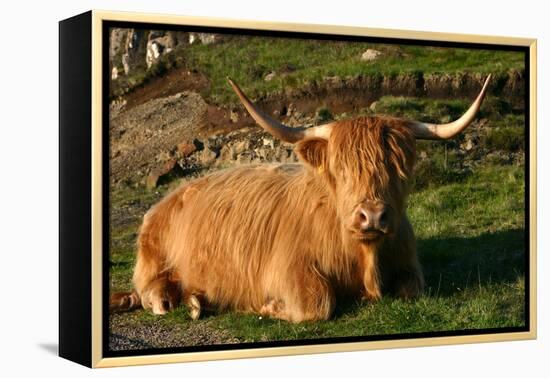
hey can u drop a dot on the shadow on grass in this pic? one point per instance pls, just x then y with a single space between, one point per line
453 264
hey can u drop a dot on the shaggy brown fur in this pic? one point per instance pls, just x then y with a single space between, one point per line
276 239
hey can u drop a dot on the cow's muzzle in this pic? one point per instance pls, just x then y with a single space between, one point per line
371 220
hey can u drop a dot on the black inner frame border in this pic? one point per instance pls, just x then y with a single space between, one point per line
106 25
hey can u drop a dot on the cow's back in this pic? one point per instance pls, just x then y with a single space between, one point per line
236 235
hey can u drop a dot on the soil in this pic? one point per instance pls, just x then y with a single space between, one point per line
126 332
175 81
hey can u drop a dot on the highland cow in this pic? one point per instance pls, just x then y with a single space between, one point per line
289 240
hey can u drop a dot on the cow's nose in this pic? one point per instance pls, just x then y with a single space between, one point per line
372 217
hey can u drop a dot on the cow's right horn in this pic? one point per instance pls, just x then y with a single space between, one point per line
277 129
432 131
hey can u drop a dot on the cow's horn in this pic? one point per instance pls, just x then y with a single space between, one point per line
449 130
277 129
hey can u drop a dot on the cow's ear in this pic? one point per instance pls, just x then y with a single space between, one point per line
313 152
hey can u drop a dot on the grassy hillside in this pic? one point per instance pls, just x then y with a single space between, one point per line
296 62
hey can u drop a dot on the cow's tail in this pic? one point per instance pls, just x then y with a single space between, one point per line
124 301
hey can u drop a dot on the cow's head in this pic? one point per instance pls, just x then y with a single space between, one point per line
367 162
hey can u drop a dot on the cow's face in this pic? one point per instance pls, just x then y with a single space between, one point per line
368 164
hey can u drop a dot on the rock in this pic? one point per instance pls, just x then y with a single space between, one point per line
169 168
163 156
204 38
227 153
126 64
117 42
152 180
267 155
445 119
291 108
158 46
234 116
373 106
135 49
270 76
115 107
268 142
117 47
468 145
185 149
370 55
281 154
141 134
214 144
297 119
343 115
207 156
241 146
245 158
154 50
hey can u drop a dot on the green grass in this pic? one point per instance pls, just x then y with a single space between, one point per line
470 242
297 62
499 111
506 138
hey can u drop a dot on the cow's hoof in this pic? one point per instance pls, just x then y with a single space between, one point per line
194 307
273 309
161 307
371 297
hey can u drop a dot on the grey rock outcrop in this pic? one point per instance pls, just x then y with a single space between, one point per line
370 55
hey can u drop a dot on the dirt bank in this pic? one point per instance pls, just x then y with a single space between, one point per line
149 125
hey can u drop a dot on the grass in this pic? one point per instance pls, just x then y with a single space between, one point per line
471 244
297 62
499 111
506 138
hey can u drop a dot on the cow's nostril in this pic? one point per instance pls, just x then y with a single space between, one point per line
362 217
383 219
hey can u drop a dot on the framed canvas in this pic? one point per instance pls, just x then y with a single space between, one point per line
235 189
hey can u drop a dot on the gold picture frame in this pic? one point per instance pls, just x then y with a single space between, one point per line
87 270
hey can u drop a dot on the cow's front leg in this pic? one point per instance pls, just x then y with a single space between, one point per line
370 273
405 278
306 295
409 281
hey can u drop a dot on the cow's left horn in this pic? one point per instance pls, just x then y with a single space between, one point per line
449 130
277 129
